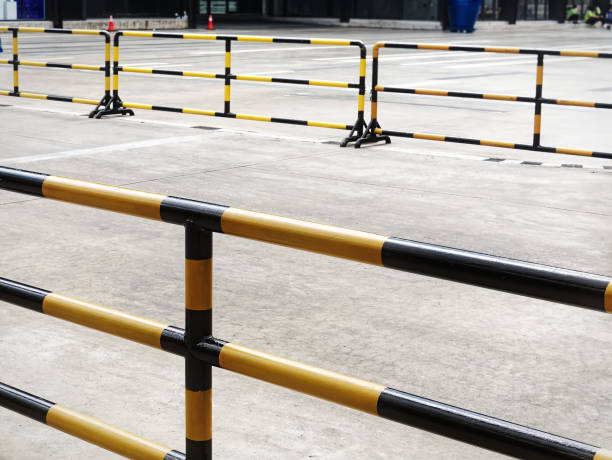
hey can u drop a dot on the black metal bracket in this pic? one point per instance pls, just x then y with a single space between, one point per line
110 106
370 137
356 133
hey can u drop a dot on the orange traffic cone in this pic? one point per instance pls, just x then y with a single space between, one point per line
210 22
111 24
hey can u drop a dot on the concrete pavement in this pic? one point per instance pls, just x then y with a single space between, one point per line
523 360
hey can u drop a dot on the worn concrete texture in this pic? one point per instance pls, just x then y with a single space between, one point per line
528 361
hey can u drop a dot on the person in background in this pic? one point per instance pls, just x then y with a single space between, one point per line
609 17
572 14
593 16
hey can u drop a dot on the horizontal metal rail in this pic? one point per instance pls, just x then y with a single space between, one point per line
356 129
495 97
50 97
509 145
491 49
84 427
44 30
375 133
292 81
401 407
244 38
102 104
55 65
524 278
238 116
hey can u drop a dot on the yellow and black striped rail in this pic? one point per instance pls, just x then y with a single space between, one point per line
102 105
489 271
84 427
398 406
356 129
375 133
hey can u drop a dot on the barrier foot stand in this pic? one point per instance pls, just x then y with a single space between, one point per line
356 133
110 106
370 136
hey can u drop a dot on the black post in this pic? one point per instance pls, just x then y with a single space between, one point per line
15 62
192 13
537 118
228 71
509 11
346 10
198 326
55 13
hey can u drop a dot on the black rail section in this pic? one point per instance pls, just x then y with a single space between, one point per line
545 282
374 132
24 403
509 275
408 409
478 429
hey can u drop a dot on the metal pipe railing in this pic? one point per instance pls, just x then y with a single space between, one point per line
375 133
519 277
401 407
102 104
356 129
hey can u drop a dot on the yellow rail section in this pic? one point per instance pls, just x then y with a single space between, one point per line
104 435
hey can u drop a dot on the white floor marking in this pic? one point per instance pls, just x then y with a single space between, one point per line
141 64
103 149
229 131
305 47
267 73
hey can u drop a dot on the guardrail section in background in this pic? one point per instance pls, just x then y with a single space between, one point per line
101 105
202 350
375 133
356 129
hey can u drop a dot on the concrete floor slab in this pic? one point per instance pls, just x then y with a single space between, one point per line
524 360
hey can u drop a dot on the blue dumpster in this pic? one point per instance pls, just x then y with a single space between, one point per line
462 14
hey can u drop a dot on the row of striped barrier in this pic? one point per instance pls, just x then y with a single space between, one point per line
360 133
375 133
201 350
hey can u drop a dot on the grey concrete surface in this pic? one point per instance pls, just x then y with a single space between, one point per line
519 359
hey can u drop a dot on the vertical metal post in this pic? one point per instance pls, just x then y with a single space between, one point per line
15 62
228 71
116 67
198 325
107 67
537 118
374 94
361 103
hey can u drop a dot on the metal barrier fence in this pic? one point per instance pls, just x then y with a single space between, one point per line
375 133
202 350
356 129
101 105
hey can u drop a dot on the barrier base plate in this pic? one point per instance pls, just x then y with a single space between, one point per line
110 106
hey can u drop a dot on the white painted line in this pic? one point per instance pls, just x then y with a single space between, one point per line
267 73
483 60
104 149
394 57
257 50
140 64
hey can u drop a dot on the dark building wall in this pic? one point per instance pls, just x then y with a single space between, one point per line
83 9
362 9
